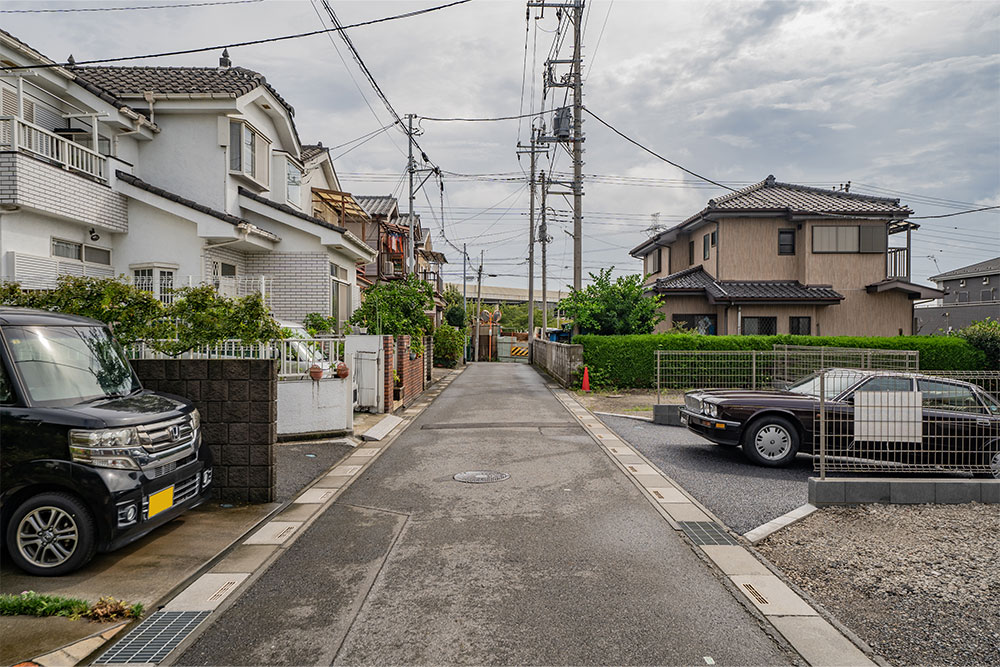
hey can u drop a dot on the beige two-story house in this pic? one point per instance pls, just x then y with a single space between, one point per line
780 258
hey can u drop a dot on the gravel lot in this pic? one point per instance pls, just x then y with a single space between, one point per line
919 583
741 494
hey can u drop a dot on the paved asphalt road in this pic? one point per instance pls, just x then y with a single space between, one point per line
741 494
564 563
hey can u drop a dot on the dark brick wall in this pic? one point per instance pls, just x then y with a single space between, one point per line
238 401
410 370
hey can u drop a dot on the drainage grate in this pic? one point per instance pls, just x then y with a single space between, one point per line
706 532
223 590
153 639
755 594
481 477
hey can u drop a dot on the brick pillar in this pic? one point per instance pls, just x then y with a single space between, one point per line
389 354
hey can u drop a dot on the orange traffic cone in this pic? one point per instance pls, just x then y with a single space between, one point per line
586 379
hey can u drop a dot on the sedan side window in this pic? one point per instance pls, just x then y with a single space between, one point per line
947 396
6 390
887 383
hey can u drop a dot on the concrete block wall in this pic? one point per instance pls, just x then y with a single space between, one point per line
239 413
35 184
558 359
300 282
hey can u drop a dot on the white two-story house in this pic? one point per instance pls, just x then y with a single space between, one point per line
214 194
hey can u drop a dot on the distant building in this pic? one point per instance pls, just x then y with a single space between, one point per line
972 293
780 258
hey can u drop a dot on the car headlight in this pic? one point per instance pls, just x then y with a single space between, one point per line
105 448
711 409
195 420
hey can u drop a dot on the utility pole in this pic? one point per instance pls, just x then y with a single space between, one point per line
543 237
531 150
479 299
410 266
577 78
465 303
562 134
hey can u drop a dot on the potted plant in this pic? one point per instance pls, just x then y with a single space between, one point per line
397 390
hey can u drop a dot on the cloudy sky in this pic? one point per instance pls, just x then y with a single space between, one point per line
902 99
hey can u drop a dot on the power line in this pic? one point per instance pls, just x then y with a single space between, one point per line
949 215
123 9
482 120
251 42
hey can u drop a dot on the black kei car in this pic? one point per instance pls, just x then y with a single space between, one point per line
90 460
772 426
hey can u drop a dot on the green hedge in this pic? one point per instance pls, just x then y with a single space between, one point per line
629 361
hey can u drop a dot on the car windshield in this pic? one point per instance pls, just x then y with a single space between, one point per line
833 384
69 365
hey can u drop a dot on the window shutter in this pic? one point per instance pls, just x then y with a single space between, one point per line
847 238
9 102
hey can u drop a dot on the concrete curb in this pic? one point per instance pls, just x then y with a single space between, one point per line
902 491
618 414
425 398
765 591
787 519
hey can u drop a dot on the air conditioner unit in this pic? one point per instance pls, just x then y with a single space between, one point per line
388 269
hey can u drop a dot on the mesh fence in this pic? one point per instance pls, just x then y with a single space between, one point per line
907 423
767 369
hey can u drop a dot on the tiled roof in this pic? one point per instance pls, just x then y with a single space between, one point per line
697 279
285 208
132 82
989 266
769 194
134 181
377 205
309 151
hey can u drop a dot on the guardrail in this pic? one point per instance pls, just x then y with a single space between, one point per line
296 355
907 423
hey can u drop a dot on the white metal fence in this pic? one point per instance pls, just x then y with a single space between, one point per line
907 423
164 285
296 355
767 369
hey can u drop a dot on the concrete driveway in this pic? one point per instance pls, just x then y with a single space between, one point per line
564 563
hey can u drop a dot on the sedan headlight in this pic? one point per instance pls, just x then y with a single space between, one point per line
105 448
711 409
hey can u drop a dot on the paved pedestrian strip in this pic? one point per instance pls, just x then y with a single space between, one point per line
405 565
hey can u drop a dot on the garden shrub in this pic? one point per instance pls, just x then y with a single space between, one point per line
984 335
630 361
448 344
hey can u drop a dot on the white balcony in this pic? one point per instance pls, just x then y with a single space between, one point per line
19 135
234 287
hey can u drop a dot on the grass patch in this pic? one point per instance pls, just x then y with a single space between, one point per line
30 603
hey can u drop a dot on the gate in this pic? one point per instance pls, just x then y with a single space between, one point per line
509 348
369 380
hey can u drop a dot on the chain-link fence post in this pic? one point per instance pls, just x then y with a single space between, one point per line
822 425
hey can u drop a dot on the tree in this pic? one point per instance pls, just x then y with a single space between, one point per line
397 309
448 343
613 308
515 316
985 335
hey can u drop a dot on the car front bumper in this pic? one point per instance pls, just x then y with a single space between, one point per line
721 431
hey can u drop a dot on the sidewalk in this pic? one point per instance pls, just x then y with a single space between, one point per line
565 562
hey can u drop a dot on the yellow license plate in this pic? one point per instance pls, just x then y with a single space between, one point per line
161 500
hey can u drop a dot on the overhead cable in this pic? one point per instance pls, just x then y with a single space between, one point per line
252 42
66 10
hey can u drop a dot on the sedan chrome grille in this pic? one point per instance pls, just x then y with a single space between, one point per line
692 404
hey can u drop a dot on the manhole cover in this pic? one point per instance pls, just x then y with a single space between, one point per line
481 476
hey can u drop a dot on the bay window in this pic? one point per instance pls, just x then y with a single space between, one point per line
248 151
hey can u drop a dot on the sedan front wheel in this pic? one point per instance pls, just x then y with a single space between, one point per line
772 442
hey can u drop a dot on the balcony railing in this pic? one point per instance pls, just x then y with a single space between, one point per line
231 286
19 135
897 264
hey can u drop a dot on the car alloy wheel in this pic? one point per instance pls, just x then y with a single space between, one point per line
47 536
772 442
995 464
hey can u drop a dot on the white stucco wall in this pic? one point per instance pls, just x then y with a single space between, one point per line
185 158
157 236
308 406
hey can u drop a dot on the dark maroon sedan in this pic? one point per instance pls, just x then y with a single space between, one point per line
772 426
